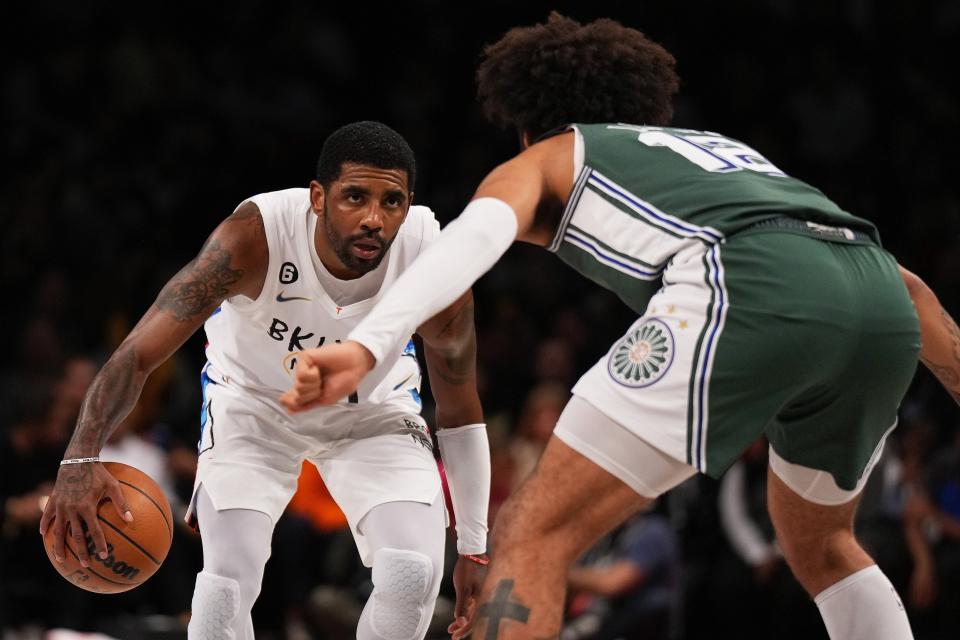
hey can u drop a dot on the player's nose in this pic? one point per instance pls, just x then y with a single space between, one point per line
372 219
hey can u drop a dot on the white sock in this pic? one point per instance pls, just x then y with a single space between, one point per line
864 606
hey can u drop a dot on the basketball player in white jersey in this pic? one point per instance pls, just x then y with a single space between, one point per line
286 271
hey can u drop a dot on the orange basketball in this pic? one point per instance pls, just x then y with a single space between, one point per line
135 549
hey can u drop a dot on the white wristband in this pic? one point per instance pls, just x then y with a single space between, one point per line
465 452
79 460
464 251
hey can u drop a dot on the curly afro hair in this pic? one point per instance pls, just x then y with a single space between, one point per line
538 78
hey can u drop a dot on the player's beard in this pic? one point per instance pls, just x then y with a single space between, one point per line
341 246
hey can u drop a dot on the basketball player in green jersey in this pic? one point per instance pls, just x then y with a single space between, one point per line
763 308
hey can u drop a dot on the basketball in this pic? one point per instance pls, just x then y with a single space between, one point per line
135 550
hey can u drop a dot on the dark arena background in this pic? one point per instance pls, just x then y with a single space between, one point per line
131 130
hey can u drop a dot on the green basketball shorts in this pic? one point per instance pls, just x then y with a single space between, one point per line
805 337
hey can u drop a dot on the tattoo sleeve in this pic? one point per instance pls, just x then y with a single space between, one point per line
183 304
111 396
200 284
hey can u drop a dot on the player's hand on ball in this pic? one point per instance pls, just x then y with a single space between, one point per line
326 375
72 508
468 577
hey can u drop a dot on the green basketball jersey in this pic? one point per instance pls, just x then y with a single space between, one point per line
645 194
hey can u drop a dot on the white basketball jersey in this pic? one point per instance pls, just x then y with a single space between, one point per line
254 343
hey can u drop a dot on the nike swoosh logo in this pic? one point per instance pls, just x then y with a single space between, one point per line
281 298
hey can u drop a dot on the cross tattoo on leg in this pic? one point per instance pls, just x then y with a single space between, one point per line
500 609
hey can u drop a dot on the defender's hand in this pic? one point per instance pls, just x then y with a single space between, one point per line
468 577
80 488
326 375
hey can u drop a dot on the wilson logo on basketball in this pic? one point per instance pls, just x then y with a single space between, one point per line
119 567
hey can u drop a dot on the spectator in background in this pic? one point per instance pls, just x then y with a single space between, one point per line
541 410
554 362
78 373
932 525
750 577
628 585
503 463
743 514
30 447
892 486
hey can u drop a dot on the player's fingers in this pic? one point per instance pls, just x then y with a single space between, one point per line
79 540
287 399
49 511
307 390
299 394
306 363
307 359
119 502
96 534
296 403
462 630
58 535
307 375
303 398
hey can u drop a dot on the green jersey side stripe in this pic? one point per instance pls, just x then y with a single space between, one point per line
570 209
691 406
651 213
573 229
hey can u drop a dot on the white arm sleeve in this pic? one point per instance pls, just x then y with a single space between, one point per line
465 250
465 452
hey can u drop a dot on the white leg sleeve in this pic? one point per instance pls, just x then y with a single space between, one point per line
401 581
236 546
407 540
216 603
864 606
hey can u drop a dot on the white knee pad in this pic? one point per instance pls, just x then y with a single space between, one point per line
216 603
401 581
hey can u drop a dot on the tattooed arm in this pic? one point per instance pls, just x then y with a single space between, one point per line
939 335
450 348
233 261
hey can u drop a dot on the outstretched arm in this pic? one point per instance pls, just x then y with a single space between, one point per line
939 335
232 261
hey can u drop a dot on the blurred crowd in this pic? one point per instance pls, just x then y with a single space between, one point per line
128 138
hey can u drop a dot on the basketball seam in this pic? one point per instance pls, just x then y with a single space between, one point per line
128 538
150 498
74 554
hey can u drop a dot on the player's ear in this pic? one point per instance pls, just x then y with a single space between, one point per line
317 196
525 140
